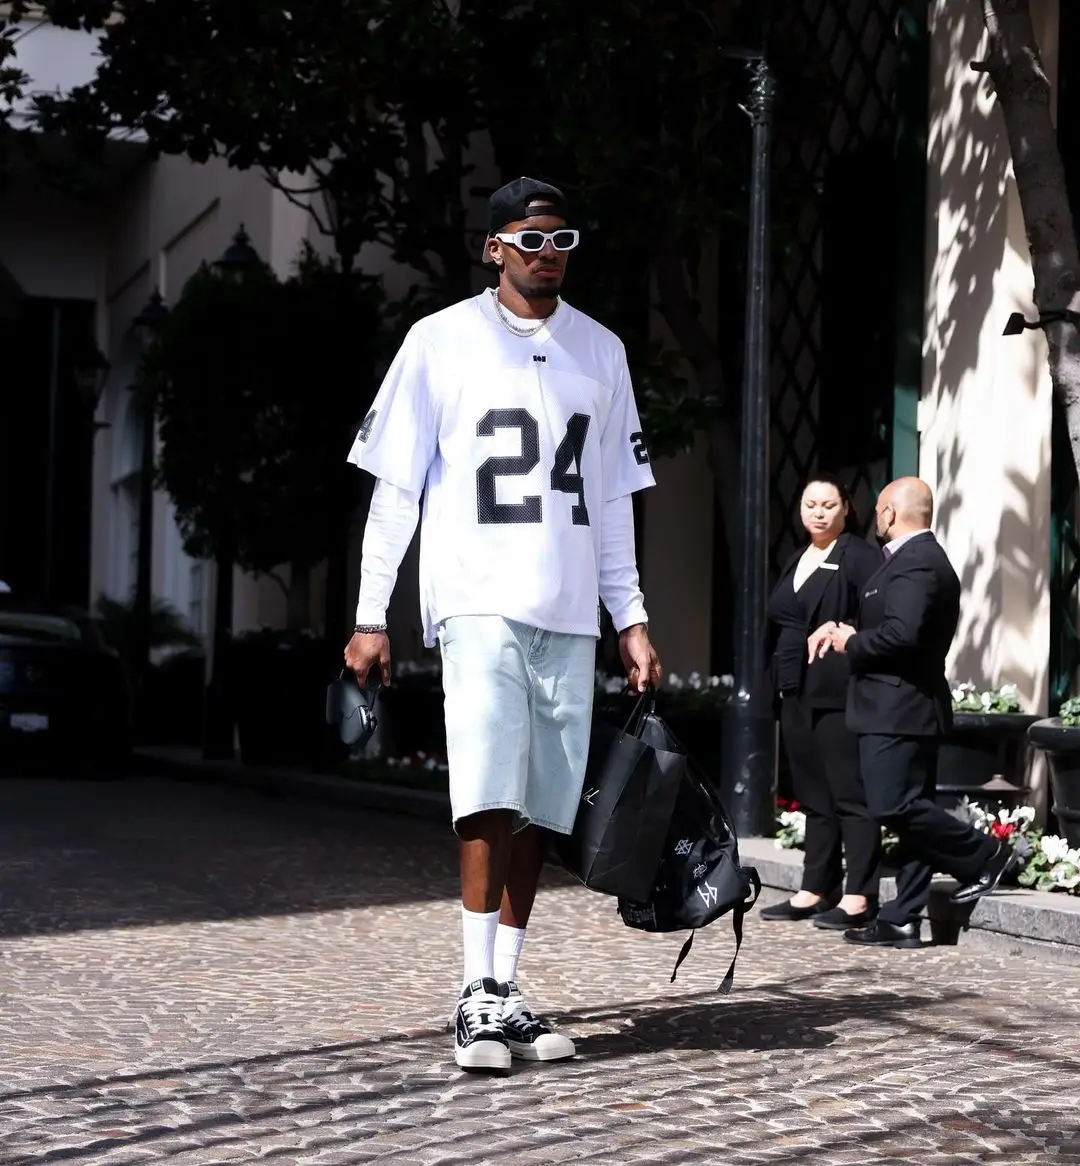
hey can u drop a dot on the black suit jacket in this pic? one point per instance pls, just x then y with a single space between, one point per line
906 623
832 592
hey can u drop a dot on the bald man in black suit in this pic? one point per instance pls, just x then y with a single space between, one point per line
900 707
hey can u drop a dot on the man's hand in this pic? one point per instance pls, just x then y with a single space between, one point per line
364 652
639 657
840 636
820 641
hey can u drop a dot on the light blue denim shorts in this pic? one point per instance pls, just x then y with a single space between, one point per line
518 718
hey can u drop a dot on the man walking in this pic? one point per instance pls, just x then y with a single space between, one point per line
900 706
514 415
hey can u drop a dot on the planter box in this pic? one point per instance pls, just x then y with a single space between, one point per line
1061 744
983 747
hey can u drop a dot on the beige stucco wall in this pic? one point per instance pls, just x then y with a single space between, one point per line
985 412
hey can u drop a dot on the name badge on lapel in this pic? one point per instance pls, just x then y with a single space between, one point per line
828 566
869 593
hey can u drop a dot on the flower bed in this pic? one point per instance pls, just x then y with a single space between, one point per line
417 770
1047 862
966 698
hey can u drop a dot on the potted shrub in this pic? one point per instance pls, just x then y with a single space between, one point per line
1059 738
986 752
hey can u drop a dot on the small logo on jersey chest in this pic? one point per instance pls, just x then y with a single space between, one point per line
540 359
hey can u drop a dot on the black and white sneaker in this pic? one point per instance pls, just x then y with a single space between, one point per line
528 1037
479 1041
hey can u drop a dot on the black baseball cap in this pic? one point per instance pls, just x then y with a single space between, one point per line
510 203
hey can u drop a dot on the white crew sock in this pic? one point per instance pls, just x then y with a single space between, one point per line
508 944
478 943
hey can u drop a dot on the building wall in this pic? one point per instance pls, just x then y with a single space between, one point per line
985 412
170 217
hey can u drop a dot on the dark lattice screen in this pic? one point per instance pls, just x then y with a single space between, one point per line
833 307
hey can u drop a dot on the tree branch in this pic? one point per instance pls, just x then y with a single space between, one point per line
1023 92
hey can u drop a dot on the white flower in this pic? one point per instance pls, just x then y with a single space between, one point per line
675 681
714 681
1054 848
1009 690
727 680
614 684
694 680
986 699
430 763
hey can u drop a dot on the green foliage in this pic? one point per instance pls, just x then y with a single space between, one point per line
258 386
325 97
966 698
168 628
1070 711
370 108
13 81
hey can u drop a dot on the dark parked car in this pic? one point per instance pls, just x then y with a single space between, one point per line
64 694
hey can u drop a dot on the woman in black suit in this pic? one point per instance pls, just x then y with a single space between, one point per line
824 582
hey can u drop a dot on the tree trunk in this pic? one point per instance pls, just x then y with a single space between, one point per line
218 719
1023 91
298 600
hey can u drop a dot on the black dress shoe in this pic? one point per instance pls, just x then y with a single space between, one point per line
789 914
1004 860
881 933
837 919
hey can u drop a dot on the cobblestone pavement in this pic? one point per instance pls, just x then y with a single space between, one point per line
197 975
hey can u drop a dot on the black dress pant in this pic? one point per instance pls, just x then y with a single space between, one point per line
900 776
824 760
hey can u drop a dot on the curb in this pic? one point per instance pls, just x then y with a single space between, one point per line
187 765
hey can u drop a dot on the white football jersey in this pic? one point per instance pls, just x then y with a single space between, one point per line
517 442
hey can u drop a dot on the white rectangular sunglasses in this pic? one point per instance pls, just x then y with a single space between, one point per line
532 241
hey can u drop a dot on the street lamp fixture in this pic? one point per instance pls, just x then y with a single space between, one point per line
90 372
1016 323
239 256
151 319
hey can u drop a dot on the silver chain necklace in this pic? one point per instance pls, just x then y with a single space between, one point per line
512 327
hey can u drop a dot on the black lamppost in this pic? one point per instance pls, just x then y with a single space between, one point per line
749 771
146 326
238 259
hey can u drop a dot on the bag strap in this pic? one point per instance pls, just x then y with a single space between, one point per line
373 689
738 912
640 711
737 915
